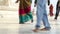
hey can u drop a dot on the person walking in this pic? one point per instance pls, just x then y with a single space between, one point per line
41 16
25 13
57 10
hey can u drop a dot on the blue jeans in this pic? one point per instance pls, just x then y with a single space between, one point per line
42 14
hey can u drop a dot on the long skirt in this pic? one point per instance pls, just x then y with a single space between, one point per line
25 13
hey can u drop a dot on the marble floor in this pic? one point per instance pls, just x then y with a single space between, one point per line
9 24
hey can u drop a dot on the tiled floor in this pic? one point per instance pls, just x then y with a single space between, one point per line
9 24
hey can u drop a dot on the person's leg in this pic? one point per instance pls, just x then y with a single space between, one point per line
45 19
39 14
57 13
40 11
39 17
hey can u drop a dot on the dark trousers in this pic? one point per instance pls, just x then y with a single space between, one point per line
57 10
57 13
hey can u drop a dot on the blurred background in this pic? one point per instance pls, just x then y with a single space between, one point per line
9 19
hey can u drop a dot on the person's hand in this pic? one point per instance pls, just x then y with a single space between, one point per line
48 2
16 2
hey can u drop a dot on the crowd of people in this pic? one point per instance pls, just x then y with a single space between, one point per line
25 13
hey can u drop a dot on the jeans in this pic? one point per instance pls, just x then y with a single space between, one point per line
42 14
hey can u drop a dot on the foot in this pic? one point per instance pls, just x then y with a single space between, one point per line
55 18
21 23
36 30
44 29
